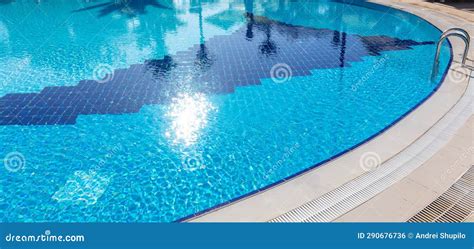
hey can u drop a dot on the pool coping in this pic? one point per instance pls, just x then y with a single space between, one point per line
399 188
429 181
303 190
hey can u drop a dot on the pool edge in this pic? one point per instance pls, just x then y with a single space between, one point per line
254 193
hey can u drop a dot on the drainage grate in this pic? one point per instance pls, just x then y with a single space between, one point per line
343 199
455 205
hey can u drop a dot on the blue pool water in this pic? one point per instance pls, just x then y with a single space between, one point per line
154 110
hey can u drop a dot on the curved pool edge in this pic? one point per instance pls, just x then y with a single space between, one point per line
305 190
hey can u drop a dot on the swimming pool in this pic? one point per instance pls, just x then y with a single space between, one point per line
153 110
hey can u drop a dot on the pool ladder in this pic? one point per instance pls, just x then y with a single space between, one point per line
458 32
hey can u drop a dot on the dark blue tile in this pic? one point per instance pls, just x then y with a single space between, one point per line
217 67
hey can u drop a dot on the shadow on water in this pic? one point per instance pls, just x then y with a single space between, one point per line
129 7
2 2
217 65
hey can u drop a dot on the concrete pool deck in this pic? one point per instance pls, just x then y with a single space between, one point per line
412 156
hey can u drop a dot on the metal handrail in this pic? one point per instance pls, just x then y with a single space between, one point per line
463 31
461 34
